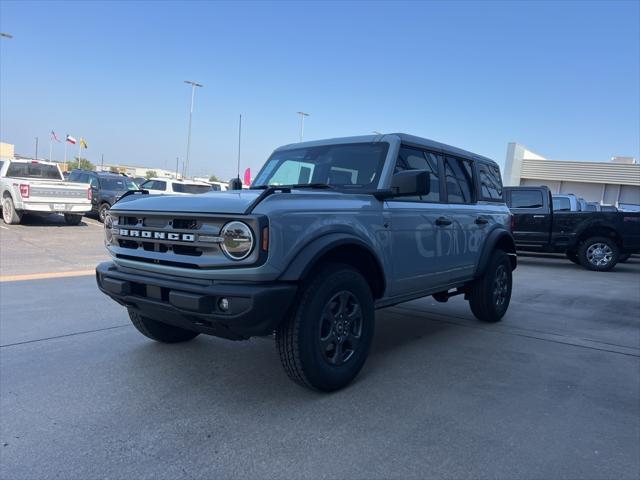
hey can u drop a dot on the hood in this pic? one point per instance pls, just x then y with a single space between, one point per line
235 202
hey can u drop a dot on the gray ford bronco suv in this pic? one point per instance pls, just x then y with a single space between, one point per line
330 231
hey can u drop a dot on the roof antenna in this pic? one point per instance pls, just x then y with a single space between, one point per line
236 183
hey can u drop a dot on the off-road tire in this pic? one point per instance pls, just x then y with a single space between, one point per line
102 211
488 297
9 213
72 219
306 357
158 331
585 254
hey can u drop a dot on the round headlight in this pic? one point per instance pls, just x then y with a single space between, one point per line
238 240
108 233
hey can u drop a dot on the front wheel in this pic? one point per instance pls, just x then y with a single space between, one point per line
490 294
9 213
102 211
599 254
325 341
71 219
158 331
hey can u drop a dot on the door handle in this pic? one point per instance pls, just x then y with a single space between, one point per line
443 221
481 221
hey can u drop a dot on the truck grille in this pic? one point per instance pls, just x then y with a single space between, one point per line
57 192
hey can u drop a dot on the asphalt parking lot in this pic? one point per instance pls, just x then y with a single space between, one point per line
553 391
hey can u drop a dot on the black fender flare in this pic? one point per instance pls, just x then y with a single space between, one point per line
594 224
498 235
309 254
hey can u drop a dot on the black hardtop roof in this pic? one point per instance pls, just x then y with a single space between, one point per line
403 137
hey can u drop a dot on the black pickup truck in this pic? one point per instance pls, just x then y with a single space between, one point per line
595 240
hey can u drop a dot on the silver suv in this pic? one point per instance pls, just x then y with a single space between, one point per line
330 231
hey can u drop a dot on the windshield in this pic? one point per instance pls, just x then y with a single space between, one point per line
190 188
33 170
348 166
118 184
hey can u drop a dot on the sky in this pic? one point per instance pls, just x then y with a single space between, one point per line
562 78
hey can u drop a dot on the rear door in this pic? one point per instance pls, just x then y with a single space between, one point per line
418 236
532 217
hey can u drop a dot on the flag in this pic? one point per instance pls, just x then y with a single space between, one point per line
70 139
54 136
83 143
247 176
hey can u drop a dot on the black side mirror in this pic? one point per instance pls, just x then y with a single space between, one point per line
411 182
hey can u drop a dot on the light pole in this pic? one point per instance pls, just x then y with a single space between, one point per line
302 115
193 91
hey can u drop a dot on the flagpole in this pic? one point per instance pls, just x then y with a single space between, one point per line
65 153
50 146
79 150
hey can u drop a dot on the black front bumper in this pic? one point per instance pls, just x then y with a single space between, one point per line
194 304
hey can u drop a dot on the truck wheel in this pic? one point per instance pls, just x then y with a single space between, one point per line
490 294
102 211
9 213
158 331
71 219
623 257
599 254
325 341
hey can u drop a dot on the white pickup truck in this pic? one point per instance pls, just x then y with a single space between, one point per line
38 187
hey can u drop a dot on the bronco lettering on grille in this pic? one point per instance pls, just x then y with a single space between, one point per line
184 237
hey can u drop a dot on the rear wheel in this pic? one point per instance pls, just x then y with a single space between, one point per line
158 331
325 341
599 254
490 294
71 219
9 213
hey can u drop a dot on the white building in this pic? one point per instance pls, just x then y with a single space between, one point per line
609 183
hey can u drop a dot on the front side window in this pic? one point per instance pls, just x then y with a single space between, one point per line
33 170
118 184
490 181
526 199
414 159
459 176
354 166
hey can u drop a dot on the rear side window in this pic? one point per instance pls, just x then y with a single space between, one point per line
33 170
561 204
459 175
490 182
414 159
526 199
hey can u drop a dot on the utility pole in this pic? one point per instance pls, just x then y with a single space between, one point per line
302 115
193 92
36 148
177 163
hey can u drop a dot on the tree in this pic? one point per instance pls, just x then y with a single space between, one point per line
150 174
83 164
213 178
114 169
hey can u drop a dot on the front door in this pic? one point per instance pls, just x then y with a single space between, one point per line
532 218
419 232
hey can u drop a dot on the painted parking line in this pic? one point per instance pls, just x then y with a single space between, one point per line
44 276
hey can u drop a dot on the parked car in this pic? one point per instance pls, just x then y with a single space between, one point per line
329 231
566 203
106 188
38 187
595 240
138 180
174 186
